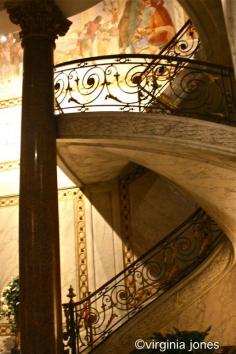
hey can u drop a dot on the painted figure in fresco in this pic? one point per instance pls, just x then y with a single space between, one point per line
140 38
145 26
16 54
10 58
107 34
161 25
92 27
111 9
127 25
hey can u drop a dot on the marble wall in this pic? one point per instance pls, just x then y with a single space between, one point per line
9 249
9 244
92 239
9 241
126 217
8 263
68 237
158 206
103 230
217 308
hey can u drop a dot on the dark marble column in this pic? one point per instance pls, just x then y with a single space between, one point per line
40 299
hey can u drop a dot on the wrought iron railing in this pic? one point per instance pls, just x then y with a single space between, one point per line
170 82
128 83
92 319
184 44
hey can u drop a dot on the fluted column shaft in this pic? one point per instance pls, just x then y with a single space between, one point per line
40 292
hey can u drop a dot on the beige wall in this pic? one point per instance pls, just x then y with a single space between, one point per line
138 215
103 228
90 232
9 209
9 243
158 206
9 240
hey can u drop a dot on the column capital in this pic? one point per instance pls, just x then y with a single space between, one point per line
37 17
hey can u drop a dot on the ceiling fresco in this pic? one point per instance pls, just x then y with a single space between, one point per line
110 27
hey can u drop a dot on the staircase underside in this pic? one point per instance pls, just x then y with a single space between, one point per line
197 155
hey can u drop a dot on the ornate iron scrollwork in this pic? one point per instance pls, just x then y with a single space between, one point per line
95 317
170 85
170 82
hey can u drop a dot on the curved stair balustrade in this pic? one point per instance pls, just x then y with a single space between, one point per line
92 319
184 44
146 83
170 82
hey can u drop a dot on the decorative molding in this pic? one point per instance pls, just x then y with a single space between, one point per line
63 194
169 129
42 18
9 201
12 102
5 330
126 231
80 227
9 165
69 193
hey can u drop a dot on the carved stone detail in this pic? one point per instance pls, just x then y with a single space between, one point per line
80 226
212 136
38 17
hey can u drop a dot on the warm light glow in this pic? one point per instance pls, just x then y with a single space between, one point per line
10 126
3 38
122 88
107 28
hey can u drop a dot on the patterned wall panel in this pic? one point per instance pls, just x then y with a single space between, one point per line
80 227
126 231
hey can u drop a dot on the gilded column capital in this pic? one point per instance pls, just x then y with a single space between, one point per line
37 17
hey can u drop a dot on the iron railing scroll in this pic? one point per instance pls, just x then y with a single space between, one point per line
128 83
172 82
184 44
92 319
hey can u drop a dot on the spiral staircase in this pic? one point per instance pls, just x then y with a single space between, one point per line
180 265
137 108
174 114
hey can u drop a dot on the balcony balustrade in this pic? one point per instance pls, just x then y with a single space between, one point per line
172 82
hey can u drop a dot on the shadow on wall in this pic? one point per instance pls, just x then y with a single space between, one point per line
141 207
